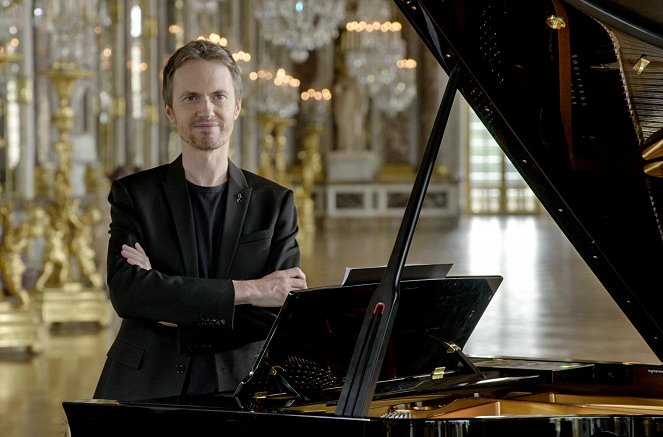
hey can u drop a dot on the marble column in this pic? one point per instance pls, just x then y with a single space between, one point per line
25 173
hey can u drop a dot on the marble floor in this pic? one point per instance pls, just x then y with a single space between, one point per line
550 305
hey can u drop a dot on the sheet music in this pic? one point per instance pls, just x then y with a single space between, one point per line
367 275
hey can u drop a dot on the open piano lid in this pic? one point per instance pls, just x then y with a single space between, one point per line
565 89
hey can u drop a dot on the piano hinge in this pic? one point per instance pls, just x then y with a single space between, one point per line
438 373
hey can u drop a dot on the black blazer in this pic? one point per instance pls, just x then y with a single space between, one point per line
152 207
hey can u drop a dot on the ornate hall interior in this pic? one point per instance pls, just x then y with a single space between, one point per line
339 99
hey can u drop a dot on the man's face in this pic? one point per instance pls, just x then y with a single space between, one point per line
204 106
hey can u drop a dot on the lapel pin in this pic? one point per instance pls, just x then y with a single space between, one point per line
239 197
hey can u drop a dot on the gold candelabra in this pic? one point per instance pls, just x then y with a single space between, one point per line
66 237
273 159
64 77
14 235
19 325
267 149
14 241
311 168
71 288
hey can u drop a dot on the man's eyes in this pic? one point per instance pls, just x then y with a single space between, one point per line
216 97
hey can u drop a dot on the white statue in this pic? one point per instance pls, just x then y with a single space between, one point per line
350 109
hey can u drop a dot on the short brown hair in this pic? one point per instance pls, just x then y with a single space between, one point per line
203 50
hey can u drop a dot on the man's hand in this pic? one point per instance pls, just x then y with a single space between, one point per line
136 256
270 290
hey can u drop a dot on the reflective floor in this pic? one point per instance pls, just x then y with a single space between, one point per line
550 305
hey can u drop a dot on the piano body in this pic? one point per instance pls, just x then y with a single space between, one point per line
572 90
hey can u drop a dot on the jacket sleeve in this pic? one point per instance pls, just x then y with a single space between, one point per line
151 294
273 213
253 323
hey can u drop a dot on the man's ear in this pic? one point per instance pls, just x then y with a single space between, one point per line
169 113
238 108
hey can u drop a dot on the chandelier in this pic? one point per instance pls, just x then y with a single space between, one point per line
396 96
374 55
373 50
315 105
277 93
71 26
300 25
242 58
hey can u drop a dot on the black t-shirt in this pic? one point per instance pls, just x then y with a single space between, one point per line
209 208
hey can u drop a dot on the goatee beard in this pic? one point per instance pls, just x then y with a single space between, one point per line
206 145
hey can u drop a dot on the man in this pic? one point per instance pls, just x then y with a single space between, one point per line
201 253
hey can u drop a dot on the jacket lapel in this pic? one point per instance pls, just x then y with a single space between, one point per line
239 198
177 198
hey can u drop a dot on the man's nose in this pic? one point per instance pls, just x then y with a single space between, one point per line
206 107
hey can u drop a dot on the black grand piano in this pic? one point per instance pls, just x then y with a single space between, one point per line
572 90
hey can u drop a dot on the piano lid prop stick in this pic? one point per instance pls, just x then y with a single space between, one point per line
366 363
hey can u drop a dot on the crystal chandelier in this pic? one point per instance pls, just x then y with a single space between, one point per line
373 49
396 96
315 105
242 58
300 25
374 52
277 93
71 26
373 44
